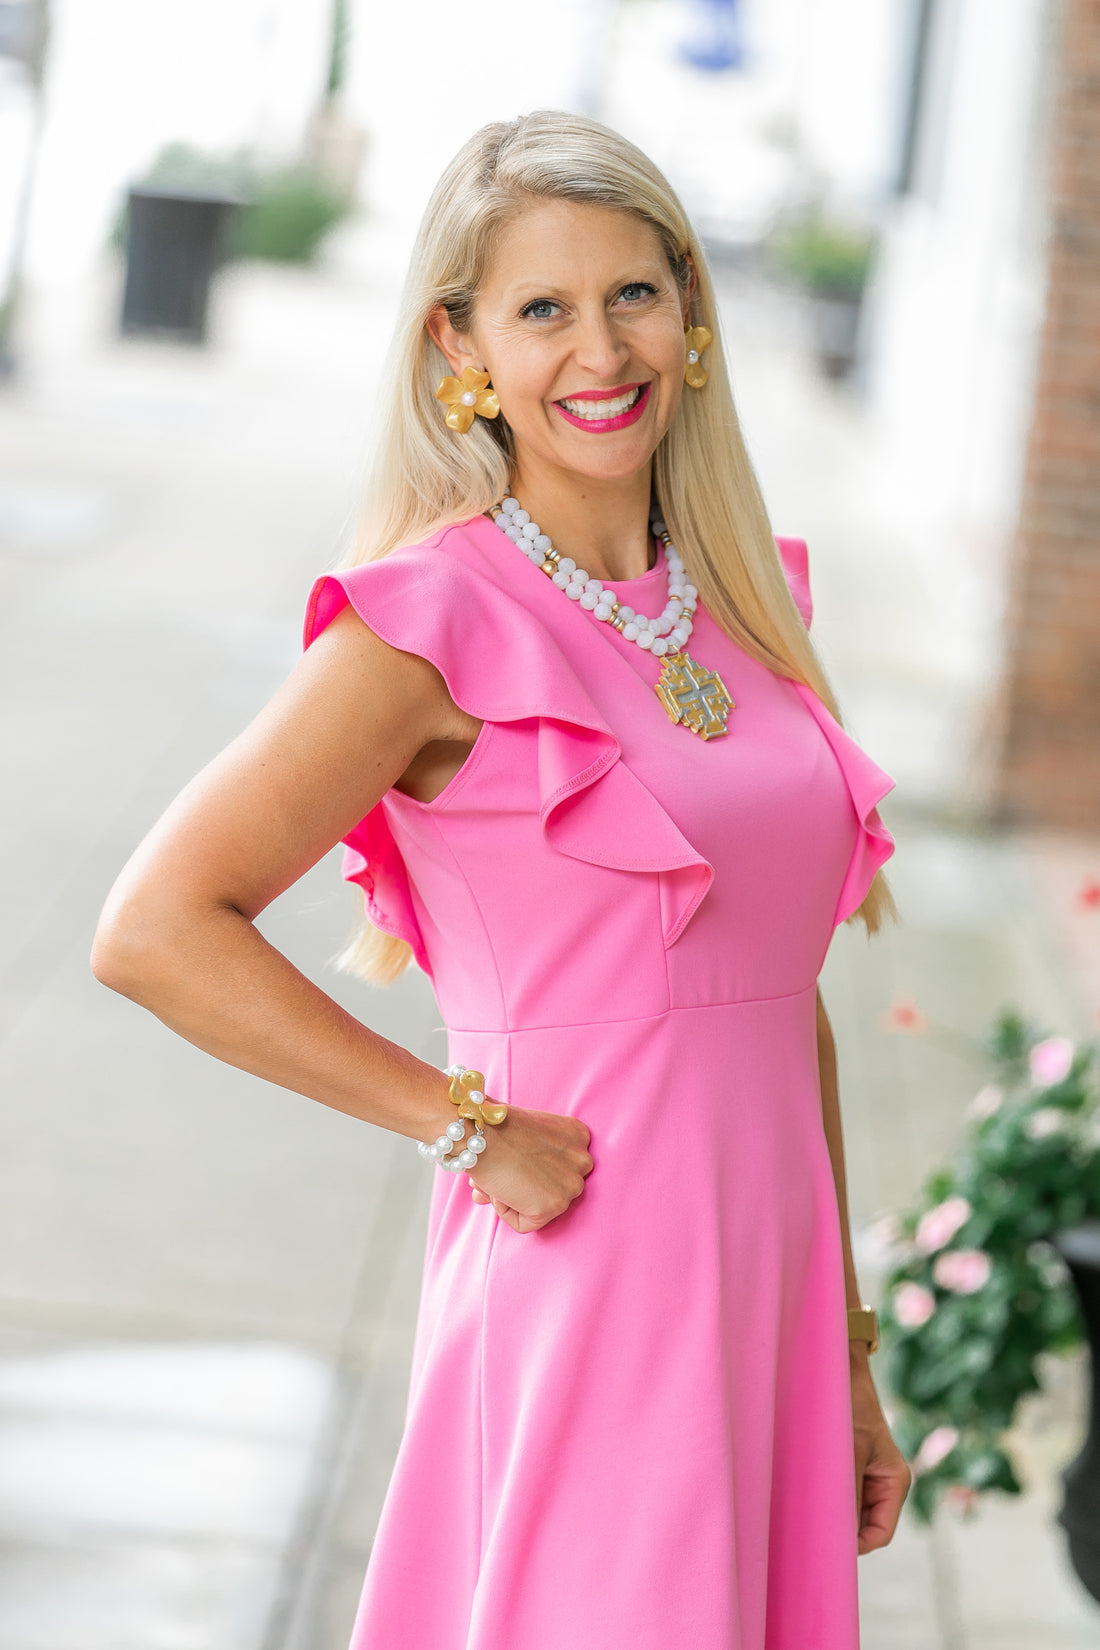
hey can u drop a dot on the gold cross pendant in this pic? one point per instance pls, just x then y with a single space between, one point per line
693 695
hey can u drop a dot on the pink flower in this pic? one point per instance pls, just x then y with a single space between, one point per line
904 1015
962 1496
964 1271
1046 1121
913 1304
936 1448
1050 1061
1088 895
987 1101
939 1225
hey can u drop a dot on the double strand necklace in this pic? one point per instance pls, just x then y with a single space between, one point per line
693 696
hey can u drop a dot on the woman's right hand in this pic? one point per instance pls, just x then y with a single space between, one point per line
533 1167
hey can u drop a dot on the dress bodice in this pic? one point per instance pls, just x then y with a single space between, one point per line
592 860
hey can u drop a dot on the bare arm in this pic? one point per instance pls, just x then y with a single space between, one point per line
882 1477
177 932
830 1109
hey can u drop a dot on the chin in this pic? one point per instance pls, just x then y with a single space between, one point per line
613 472
608 465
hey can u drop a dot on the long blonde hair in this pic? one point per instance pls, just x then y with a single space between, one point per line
422 477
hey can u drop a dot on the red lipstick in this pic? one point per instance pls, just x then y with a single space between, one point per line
601 426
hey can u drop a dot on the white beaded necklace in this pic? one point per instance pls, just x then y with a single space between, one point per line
692 695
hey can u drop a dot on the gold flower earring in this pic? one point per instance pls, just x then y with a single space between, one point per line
697 339
466 396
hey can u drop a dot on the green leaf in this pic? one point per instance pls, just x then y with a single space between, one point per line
938 1185
1010 1037
992 1310
991 1469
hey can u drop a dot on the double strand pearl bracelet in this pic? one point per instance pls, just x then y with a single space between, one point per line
467 1092
668 633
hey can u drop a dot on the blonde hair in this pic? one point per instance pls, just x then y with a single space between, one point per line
422 477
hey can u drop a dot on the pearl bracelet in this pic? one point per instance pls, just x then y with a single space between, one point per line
439 1150
467 1093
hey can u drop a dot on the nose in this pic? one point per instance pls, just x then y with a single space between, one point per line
599 347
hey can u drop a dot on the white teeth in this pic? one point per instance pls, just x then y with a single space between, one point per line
603 409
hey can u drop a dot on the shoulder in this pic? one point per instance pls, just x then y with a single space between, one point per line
795 561
466 602
437 577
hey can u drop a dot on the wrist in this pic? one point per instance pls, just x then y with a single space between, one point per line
434 1108
863 1326
459 1141
860 1374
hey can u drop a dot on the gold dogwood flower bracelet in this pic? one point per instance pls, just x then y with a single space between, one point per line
467 1092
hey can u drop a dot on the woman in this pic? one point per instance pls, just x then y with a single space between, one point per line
636 1418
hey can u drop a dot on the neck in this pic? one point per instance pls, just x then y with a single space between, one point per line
603 526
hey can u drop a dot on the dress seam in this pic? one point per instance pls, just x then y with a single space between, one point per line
476 903
629 1019
588 776
668 941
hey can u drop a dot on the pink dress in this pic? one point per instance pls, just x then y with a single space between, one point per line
632 1429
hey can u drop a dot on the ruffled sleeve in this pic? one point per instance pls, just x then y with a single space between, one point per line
372 858
867 782
796 565
502 664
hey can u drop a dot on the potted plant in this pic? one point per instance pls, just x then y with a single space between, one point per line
193 211
980 1280
175 229
830 261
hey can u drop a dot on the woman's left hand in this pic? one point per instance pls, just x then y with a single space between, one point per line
882 1474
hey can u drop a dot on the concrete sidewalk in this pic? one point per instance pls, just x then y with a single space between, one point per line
207 1285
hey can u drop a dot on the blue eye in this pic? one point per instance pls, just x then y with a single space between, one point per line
538 303
639 286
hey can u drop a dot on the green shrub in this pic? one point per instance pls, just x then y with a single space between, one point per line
284 212
976 1292
290 213
823 256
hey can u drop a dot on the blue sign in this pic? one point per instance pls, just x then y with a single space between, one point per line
716 42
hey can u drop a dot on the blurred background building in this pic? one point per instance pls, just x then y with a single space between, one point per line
207 1286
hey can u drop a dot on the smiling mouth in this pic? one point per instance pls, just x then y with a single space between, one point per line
595 411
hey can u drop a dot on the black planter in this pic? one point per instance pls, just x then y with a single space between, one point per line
175 242
835 321
1079 1247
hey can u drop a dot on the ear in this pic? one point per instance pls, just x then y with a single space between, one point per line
456 346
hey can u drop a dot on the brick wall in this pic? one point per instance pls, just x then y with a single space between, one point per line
1048 767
